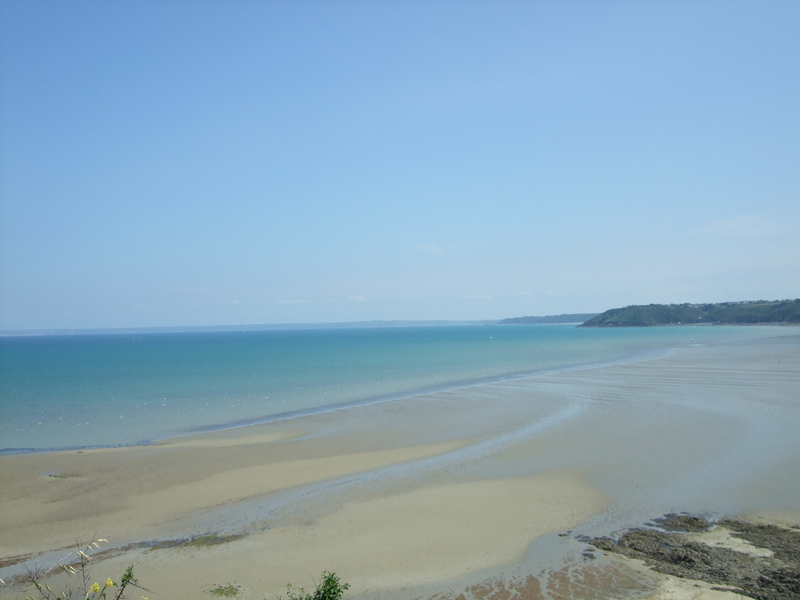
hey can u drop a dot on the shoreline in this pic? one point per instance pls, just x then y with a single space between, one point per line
188 412
644 356
431 494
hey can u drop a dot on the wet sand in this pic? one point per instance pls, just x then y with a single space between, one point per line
482 492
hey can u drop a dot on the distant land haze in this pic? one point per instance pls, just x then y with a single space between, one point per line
247 327
547 319
567 318
723 313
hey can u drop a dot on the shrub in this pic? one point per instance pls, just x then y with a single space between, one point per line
330 588
224 591
76 565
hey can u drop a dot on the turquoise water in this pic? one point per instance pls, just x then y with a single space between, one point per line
105 390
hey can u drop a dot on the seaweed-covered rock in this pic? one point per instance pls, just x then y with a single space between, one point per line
683 555
688 523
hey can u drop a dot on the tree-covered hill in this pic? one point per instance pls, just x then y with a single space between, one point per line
758 311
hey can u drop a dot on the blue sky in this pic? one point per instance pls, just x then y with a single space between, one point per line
210 163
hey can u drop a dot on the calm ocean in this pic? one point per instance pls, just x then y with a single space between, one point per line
106 390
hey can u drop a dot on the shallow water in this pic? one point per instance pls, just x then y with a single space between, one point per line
104 390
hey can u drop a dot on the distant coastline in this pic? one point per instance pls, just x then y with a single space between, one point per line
566 318
747 312
756 312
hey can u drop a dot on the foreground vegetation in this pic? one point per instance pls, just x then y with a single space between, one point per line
730 313
330 588
80 585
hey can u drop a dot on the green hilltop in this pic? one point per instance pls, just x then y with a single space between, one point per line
731 313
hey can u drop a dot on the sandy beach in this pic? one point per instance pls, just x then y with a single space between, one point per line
484 491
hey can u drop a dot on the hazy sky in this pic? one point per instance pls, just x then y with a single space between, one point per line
202 163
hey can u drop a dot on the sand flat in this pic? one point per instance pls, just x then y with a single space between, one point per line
43 511
229 437
430 535
439 532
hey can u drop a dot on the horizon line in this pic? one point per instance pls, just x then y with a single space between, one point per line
241 327
261 326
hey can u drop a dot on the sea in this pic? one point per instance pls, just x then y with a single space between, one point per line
102 390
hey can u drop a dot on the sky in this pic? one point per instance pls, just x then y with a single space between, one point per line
216 163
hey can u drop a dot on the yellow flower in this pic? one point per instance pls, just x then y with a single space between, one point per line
95 588
109 583
145 598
